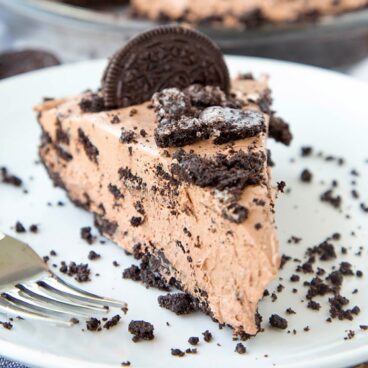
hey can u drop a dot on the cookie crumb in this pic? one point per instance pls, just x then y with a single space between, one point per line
240 348
92 255
33 229
7 325
93 324
7 178
141 330
86 234
179 303
207 336
113 321
177 352
278 322
19 228
193 340
306 176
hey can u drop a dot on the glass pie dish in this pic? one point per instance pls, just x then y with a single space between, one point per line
76 33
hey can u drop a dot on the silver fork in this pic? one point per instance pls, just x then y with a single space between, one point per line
29 289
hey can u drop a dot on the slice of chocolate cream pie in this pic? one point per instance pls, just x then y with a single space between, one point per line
171 158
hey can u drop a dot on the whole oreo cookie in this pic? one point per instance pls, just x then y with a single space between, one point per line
17 62
168 56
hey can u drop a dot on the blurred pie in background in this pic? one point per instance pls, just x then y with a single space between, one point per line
248 13
232 13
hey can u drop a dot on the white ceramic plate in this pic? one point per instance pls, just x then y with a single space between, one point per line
325 109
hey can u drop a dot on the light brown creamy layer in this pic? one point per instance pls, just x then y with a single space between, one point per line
236 12
232 263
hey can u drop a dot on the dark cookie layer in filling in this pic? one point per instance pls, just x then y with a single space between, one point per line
232 173
225 173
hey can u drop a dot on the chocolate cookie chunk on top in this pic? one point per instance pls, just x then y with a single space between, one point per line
201 112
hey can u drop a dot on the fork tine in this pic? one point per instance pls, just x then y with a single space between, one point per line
9 308
65 289
15 297
38 293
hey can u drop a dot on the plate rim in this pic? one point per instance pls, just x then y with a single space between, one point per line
39 358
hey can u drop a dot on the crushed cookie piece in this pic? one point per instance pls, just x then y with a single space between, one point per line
92 255
7 178
306 176
92 103
346 269
136 221
222 172
284 260
240 348
281 186
193 340
74 321
143 133
294 240
115 191
179 303
364 207
355 194
115 120
145 273
337 304
91 150
334 200
336 278
139 207
191 351
133 111
313 305
325 250
177 352
93 324
294 278
7 325
306 151
86 234
132 273
141 330
349 335
19 228
235 213
207 336
105 226
127 136
278 322
258 226
279 130
200 112
80 272
112 322
33 229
